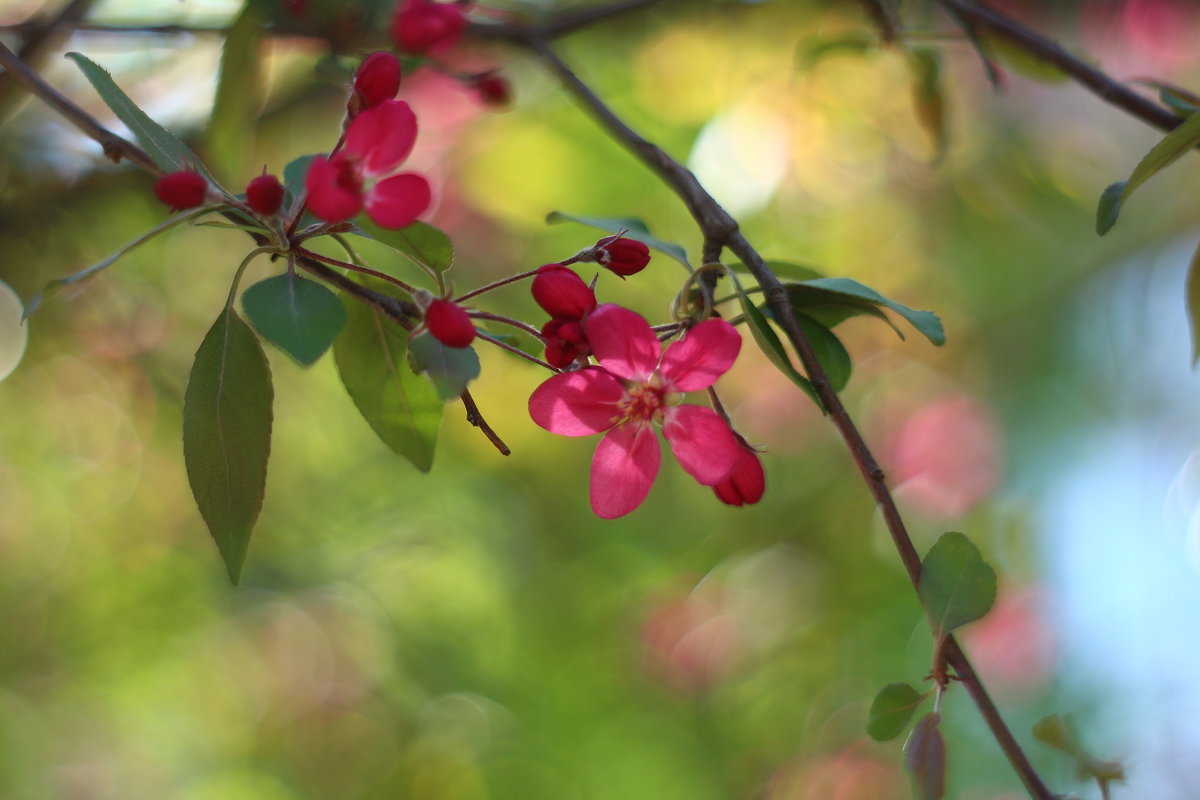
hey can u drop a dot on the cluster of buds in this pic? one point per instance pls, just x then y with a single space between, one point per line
568 300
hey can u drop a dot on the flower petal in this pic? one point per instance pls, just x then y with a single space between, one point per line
397 201
382 136
577 403
702 442
746 484
623 469
622 342
329 199
699 358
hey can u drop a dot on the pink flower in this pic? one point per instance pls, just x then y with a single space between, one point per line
746 483
360 174
638 384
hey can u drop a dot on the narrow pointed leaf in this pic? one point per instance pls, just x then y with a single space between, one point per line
450 368
164 148
832 308
293 177
830 351
227 434
421 242
891 710
769 343
957 586
1169 149
783 269
634 229
401 407
230 134
926 322
925 759
300 317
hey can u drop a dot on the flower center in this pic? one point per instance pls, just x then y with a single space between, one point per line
643 402
349 174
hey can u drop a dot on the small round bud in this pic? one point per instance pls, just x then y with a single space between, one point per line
422 26
622 256
746 484
264 194
377 80
561 293
449 324
493 90
183 189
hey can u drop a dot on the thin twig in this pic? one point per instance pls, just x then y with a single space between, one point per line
115 147
476 418
1106 88
560 25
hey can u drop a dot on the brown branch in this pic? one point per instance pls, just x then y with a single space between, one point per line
981 18
36 42
560 25
476 418
115 147
720 229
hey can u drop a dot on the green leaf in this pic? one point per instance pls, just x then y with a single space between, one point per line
925 66
1193 304
294 174
926 322
783 269
891 710
957 586
424 244
769 343
1166 152
925 758
230 134
815 49
227 434
829 351
1052 731
401 407
634 229
300 317
164 148
450 368
831 308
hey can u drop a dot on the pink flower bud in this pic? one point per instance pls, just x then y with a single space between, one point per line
565 342
264 194
449 324
746 484
561 293
622 256
493 90
377 80
183 189
422 26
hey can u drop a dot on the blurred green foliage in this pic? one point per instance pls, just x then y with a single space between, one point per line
474 632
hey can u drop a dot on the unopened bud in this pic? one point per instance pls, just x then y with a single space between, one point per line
449 324
493 90
746 483
422 26
183 189
377 80
565 342
561 293
264 194
622 256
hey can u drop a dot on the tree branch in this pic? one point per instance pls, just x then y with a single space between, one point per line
1107 89
720 229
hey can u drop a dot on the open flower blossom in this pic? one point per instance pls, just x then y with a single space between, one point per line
360 175
637 385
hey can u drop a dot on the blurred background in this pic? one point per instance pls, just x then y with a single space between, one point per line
475 632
